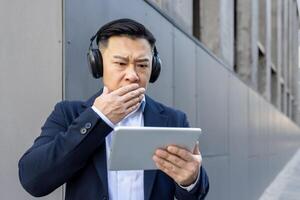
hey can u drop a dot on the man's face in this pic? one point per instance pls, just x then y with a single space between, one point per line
126 61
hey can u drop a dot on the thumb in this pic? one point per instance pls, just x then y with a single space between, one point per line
197 153
196 150
105 90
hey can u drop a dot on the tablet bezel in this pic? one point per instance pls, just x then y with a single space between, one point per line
126 140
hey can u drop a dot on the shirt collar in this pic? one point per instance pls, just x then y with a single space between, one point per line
143 104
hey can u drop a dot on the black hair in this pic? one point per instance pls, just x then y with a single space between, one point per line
124 27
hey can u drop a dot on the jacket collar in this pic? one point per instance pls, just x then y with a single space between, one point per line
91 100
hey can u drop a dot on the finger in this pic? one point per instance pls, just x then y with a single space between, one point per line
133 94
181 152
196 150
166 165
197 153
132 108
125 89
165 170
177 174
171 158
133 102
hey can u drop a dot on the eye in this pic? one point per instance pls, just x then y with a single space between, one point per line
143 65
120 63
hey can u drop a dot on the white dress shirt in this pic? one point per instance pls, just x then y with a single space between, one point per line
127 185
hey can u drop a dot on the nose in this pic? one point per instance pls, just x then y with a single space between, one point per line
131 75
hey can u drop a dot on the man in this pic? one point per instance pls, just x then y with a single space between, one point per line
74 144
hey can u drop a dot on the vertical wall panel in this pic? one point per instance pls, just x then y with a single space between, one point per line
185 75
165 84
254 121
212 103
218 170
238 139
79 83
30 82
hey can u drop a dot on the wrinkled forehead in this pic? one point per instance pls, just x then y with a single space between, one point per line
128 46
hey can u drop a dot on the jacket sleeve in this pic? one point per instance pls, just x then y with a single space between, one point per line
201 189
61 150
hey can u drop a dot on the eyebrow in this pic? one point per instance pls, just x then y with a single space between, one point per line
142 60
121 57
127 59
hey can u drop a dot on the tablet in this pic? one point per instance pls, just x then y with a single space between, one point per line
133 147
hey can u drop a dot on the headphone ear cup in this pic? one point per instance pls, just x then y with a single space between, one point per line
156 68
95 62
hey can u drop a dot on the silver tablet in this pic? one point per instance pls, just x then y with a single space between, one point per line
133 147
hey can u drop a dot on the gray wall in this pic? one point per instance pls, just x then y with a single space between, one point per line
246 140
30 82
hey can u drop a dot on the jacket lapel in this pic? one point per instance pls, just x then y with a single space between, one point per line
99 157
100 163
91 100
152 117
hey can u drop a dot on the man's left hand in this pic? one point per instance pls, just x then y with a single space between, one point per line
180 164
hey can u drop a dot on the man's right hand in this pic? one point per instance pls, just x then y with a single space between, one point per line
117 104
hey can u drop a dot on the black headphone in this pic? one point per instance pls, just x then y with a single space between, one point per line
96 64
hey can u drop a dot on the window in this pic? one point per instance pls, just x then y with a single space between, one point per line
261 71
274 93
288 105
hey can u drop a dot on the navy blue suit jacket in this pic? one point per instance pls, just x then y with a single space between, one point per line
71 150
